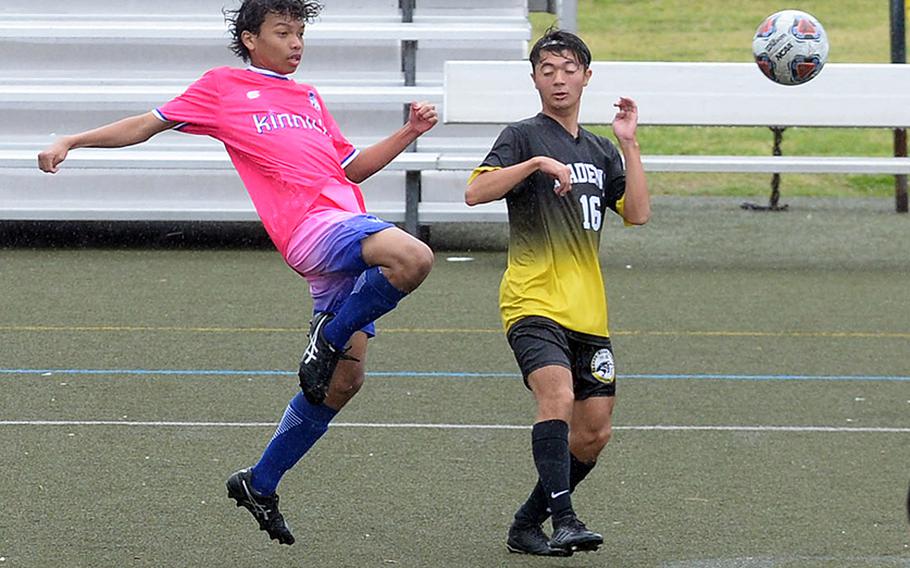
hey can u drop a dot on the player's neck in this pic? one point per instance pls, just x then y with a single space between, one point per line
567 118
266 71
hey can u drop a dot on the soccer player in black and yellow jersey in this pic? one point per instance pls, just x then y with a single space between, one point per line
558 180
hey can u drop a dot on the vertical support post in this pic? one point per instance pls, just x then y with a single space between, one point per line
407 10
409 72
899 56
775 178
568 15
774 203
900 181
409 62
412 202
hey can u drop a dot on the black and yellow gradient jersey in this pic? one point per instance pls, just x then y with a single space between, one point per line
554 268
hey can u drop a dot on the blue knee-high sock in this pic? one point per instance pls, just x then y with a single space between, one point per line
300 427
373 296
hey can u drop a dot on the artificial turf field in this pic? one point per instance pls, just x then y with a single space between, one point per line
763 417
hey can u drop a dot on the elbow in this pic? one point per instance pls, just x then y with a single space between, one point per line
354 175
638 216
470 197
140 136
638 206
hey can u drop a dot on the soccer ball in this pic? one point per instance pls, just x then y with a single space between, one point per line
790 47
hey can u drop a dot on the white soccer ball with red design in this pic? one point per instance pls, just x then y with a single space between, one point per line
790 47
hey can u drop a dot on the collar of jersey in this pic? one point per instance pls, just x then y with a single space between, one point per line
555 124
268 73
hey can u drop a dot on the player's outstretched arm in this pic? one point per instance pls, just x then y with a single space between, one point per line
422 117
637 208
126 132
494 184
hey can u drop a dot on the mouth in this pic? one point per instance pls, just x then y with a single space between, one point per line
295 59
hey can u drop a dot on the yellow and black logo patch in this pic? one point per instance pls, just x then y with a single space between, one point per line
602 366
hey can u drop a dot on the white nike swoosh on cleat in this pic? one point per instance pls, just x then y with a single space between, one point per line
555 495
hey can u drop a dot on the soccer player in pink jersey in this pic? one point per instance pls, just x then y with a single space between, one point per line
301 174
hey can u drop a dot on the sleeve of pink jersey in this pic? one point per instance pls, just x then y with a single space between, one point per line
345 150
197 108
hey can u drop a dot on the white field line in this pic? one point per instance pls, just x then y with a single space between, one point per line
801 560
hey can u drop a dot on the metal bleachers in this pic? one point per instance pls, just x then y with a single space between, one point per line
70 66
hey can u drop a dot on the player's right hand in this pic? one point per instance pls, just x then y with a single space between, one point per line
561 173
49 159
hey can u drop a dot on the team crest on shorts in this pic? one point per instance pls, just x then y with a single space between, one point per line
602 366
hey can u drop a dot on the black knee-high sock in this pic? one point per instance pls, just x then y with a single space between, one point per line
535 509
550 446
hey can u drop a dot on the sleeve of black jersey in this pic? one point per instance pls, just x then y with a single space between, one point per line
508 150
614 175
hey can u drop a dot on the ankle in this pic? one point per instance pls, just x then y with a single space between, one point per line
522 522
564 518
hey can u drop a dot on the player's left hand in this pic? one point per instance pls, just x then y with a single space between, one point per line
626 120
422 116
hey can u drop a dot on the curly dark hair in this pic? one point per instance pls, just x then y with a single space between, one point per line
252 13
557 41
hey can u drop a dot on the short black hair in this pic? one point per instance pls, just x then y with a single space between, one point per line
556 41
252 13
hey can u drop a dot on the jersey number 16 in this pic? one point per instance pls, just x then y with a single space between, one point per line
590 210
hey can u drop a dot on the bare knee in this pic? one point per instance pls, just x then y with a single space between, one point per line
587 443
411 266
552 387
555 404
405 261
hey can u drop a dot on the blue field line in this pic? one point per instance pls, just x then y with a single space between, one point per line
234 373
445 374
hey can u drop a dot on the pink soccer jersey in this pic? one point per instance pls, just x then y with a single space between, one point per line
285 145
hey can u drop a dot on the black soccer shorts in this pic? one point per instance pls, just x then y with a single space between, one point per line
539 341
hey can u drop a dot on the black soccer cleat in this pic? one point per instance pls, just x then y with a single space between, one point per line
571 534
530 539
264 509
319 361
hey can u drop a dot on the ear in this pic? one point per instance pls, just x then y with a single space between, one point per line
248 39
588 74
